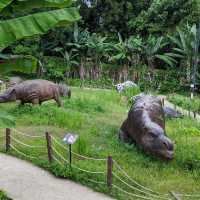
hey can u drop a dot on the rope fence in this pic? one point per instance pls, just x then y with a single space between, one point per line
115 177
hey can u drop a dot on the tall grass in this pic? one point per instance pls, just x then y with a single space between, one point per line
96 116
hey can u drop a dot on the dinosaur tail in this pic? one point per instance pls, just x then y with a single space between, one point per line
8 96
3 98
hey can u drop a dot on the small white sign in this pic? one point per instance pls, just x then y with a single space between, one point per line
192 85
70 138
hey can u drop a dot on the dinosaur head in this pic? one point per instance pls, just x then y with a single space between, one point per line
156 142
64 90
9 95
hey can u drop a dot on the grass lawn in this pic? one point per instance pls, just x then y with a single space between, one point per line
96 116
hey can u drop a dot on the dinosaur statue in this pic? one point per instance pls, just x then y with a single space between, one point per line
145 125
35 92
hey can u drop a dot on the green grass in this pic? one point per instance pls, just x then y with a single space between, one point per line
3 196
96 115
185 102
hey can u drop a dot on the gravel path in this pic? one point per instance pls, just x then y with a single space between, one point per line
23 181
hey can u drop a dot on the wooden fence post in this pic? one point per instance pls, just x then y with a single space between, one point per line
163 102
194 114
109 171
8 131
49 147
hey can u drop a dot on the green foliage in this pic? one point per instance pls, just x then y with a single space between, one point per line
163 15
18 27
24 64
3 196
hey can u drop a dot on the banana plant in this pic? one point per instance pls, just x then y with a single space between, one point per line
123 53
80 41
185 42
97 47
151 49
16 28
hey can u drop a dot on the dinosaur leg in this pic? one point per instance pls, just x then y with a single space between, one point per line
35 101
58 100
22 103
124 137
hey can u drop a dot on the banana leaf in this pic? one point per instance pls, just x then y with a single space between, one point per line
24 64
26 5
35 24
4 3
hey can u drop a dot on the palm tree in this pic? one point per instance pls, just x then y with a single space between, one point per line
152 50
185 42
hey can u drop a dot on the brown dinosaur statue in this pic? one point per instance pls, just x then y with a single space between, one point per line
145 126
33 91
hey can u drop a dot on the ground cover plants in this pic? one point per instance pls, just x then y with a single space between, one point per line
96 115
3 196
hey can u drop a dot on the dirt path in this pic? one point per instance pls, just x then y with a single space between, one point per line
23 181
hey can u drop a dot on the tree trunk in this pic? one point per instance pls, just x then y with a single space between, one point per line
125 72
82 72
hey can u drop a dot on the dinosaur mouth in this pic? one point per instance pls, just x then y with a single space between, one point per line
167 154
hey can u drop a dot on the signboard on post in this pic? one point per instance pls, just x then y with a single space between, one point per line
70 139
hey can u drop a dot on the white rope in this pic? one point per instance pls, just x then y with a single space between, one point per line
135 182
134 188
84 170
87 171
54 149
93 181
131 194
57 161
23 154
27 145
23 134
85 157
190 195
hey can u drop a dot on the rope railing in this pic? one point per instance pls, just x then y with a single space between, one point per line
93 181
141 191
74 166
54 157
27 135
132 180
21 153
26 145
190 195
79 155
54 149
145 192
131 194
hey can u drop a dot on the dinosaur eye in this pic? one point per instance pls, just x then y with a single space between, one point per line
152 134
